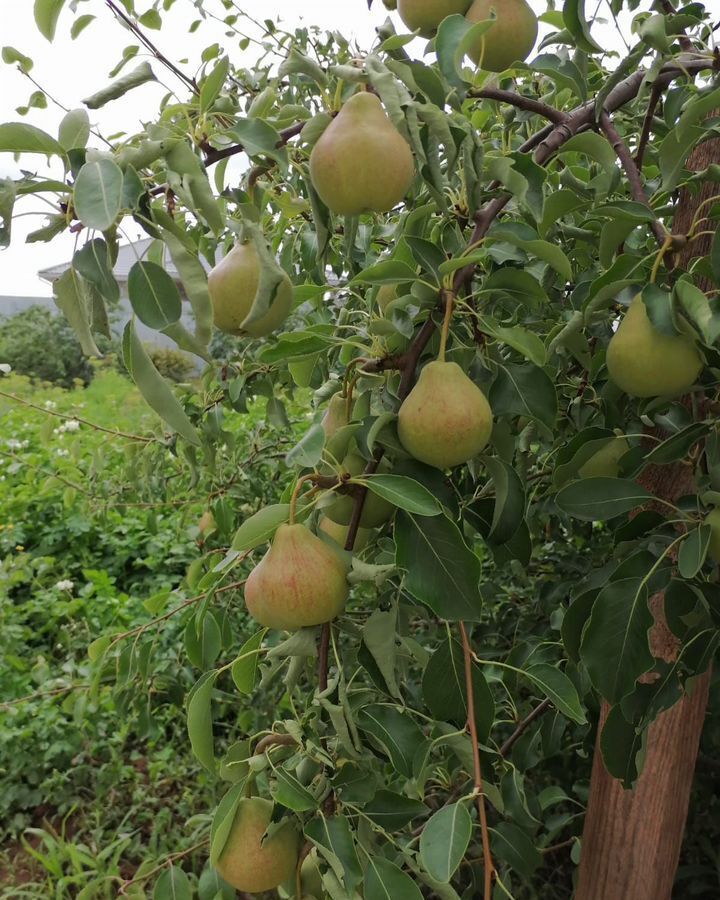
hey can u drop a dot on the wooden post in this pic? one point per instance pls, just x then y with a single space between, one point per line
632 839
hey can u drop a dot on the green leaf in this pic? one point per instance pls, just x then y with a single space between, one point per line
622 746
287 790
390 271
138 76
558 688
379 635
17 137
199 720
80 24
308 451
212 887
601 498
334 838
674 150
10 55
72 298
444 840
173 884
385 881
524 390
617 633
46 14
509 509
403 492
517 337
8 193
245 668
445 693
92 261
395 732
441 570
544 250
578 26
512 845
260 527
259 138
97 649
98 193
223 820
74 129
154 389
693 551
213 84
393 811
154 295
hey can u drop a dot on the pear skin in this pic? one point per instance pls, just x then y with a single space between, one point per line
425 15
385 296
375 512
713 520
301 581
361 162
509 39
606 461
250 864
233 284
338 533
446 419
643 362
335 416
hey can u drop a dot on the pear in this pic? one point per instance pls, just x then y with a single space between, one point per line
339 533
361 161
247 862
445 420
233 284
376 511
713 520
425 15
335 416
643 362
300 582
606 460
511 37
207 522
385 296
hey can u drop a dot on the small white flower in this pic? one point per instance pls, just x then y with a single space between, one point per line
61 452
15 444
71 425
50 404
5 368
65 585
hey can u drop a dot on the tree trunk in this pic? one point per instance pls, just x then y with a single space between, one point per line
632 839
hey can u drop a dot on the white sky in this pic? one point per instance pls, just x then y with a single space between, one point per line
71 70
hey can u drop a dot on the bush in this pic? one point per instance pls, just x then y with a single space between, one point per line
172 364
41 344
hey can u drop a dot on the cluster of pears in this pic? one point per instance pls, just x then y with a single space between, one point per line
511 37
233 286
643 362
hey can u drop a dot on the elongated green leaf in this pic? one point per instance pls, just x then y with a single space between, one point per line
524 390
444 840
334 838
152 386
18 137
74 129
379 636
557 687
244 669
288 791
622 745
140 75
92 261
385 881
393 811
260 138
578 26
199 720
403 492
693 551
46 14
223 820
442 571
71 296
7 203
509 500
260 527
154 295
213 84
597 499
98 193
390 271
512 845
395 732
173 884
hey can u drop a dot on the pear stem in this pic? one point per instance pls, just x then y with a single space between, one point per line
295 494
449 305
349 394
667 244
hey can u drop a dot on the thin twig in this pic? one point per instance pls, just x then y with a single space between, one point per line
528 104
214 156
683 39
167 861
488 867
274 740
523 726
655 95
323 653
55 692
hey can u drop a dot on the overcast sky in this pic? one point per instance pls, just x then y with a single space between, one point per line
70 70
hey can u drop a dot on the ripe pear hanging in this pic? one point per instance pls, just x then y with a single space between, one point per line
361 162
425 15
301 581
335 416
606 460
643 362
375 511
445 420
511 37
233 285
250 864
385 296
339 533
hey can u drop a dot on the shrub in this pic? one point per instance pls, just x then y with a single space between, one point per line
172 364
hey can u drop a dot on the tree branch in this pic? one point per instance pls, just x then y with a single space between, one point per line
214 156
148 44
528 104
523 727
655 95
683 39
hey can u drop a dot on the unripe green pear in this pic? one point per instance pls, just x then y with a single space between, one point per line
606 461
300 582
361 161
511 37
247 862
335 416
713 520
446 419
339 533
207 522
385 296
233 285
643 362
375 512
425 15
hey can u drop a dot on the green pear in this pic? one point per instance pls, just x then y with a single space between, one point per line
643 362
445 420
247 862
339 533
233 285
713 520
301 581
385 296
207 523
425 15
335 416
606 460
376 511
511 37
361 161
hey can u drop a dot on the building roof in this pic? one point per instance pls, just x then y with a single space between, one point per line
128 254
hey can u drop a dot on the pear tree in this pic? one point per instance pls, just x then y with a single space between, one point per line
470 275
